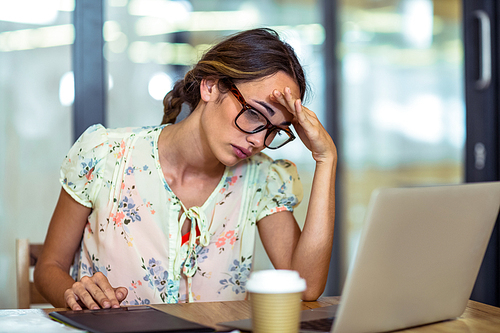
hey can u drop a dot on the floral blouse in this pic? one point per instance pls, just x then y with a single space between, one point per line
133 234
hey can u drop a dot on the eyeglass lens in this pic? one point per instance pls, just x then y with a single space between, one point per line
252 121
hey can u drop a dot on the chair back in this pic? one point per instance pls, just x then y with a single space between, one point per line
26 257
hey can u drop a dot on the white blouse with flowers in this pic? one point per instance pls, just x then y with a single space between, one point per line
133 234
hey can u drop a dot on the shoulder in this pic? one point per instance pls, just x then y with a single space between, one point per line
92 136
98 136
97 141
261 169
260 160
125 132
264 162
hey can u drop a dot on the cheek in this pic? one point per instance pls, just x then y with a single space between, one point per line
221 121
227 114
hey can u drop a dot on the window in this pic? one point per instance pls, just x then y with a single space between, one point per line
403 107
36 93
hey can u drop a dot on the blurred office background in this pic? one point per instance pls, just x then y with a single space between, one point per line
386 78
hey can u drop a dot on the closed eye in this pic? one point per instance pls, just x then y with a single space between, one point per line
271 112
253 114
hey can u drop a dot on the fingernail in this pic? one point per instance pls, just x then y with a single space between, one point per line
119 295
106 305
95 307
116 306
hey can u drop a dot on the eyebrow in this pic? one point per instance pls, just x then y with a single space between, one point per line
271 111
267 107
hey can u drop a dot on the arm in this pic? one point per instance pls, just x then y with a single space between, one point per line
51 272
309 251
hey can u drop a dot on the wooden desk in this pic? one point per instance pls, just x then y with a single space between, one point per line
477 318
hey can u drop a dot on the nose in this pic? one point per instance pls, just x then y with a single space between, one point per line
257 139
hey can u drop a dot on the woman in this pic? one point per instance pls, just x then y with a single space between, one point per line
169 213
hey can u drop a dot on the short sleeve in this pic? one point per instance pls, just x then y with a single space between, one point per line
282 190
83 167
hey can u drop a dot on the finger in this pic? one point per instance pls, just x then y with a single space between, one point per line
305 121
82 294
307 113
305 117
95 288
121 293
311 117
300 111
107 292
290 101
71 300
280 98
293 105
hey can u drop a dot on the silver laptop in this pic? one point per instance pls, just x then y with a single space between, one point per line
417 259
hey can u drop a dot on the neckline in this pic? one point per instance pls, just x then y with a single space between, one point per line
162 176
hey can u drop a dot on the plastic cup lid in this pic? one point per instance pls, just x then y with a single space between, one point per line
277 281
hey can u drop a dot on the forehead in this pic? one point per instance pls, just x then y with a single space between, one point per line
258 94
266 85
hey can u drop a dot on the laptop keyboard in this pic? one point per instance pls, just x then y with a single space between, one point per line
319 325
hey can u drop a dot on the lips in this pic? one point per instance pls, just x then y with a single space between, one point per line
241 152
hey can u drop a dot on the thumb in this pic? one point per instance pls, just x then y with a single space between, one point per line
121 293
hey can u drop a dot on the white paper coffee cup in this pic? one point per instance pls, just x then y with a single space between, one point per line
275 299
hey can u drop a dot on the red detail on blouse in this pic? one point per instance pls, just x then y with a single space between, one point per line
185 237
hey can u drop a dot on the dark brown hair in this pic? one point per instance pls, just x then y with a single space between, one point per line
246 56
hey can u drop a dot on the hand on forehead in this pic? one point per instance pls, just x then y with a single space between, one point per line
259 94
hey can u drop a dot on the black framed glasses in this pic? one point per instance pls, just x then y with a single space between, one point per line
251 121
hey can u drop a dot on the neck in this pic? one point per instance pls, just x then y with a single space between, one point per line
184 152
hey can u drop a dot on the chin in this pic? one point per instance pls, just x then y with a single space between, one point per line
232 161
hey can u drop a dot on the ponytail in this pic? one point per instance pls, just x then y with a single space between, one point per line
186 90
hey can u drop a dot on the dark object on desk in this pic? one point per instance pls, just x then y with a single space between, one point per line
126 320
317 325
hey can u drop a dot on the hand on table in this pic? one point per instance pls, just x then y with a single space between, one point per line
94 293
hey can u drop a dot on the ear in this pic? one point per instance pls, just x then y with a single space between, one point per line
208 90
